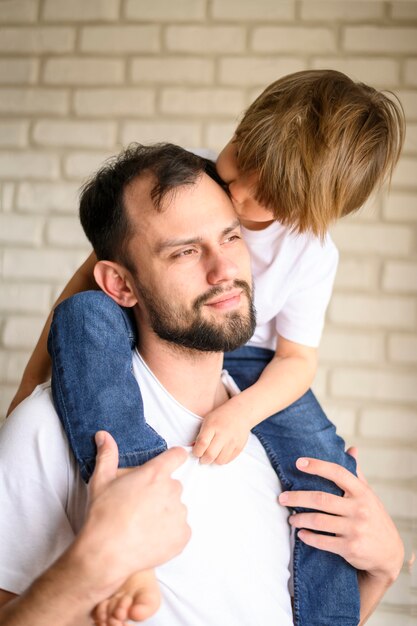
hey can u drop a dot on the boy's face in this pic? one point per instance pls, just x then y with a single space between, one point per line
242 188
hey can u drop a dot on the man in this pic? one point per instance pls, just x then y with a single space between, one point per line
178 252
137 517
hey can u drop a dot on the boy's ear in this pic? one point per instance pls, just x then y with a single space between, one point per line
115 281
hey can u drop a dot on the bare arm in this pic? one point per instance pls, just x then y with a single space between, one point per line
364 533
286 378
38 368
135 521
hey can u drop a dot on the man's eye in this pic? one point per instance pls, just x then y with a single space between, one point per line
184 253
232 238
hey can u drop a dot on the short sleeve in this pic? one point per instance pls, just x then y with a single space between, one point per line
302 317
34 492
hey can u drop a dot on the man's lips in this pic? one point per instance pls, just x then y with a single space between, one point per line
226 300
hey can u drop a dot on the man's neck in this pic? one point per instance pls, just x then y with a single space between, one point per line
190 376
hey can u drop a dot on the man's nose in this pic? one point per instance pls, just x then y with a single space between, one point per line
221 269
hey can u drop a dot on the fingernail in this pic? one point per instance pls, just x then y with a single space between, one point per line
99 438
302 462
283 497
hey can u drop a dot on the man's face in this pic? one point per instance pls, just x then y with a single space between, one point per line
191 266
242 188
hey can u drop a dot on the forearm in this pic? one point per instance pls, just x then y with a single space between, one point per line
371 590
282 382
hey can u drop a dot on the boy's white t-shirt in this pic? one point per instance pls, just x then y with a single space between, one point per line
293 278
235 569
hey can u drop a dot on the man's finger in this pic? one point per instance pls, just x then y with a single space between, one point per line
166 463
353 451
107 460
316 500
332 471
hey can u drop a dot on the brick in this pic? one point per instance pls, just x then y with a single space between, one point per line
410 144
394 423
351 347
33 101
408 99
114 103
373 384
358 274
80 11
12 365
202 101
400 277
403 348
44 265
375 238
25 297
410 71
172 70
293 39
22 332
120 39
205 39
7 196
373 312
405 173
76 71
18 11
320 382
47 198
380 39
350 11
404 10
257 70
166 11
219 134
20 229
262 10
13 134
32 165
6 395
180 133
66 232
69 133
400 592
18 71
81 165
36 40
400 503
384 72
400 206
344 418
385 463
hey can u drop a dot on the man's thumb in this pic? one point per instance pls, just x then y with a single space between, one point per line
107 461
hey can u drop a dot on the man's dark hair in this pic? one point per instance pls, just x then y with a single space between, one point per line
102 211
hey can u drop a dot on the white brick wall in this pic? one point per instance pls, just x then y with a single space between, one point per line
79 79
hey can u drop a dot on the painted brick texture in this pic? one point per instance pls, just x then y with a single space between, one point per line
79 80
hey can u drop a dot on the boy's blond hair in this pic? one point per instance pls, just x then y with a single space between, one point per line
319 144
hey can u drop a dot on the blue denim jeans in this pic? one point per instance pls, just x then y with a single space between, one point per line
94 388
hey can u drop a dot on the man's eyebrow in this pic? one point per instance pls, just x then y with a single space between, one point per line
174 243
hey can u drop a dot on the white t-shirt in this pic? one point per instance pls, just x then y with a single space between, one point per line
235 569
293 277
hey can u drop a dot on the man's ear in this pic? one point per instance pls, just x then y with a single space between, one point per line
116 282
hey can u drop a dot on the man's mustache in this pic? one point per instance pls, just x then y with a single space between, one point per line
217 291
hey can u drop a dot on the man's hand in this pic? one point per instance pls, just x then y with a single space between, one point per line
135 521
365 535
223 435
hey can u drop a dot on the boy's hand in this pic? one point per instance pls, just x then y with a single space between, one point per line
222 436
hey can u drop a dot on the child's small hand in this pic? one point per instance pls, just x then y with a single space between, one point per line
222 436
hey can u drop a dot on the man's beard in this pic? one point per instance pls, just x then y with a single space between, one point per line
189 330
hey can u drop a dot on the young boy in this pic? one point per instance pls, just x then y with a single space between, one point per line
310 149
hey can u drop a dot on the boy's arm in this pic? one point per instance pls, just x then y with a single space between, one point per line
286 378
38 368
